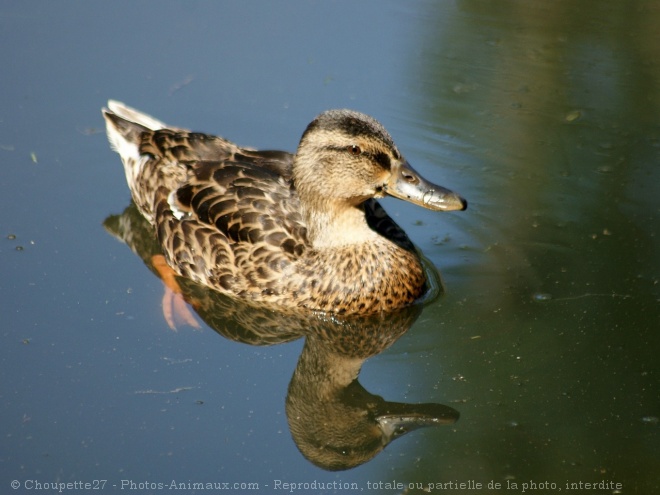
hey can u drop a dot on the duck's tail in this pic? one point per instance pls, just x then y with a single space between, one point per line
132 115
125 127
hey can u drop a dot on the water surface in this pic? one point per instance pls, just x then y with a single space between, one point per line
543 115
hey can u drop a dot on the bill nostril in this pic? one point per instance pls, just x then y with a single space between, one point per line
410 178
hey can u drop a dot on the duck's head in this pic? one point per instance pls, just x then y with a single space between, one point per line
348 157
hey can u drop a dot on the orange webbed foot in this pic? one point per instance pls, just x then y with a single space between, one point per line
175 308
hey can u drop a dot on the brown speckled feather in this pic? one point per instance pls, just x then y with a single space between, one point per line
238 220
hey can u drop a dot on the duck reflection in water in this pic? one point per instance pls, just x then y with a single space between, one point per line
334 421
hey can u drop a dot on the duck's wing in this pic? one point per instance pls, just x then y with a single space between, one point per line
234 225
246 201
278 162
188 147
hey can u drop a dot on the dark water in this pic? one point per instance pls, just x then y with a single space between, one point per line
544 115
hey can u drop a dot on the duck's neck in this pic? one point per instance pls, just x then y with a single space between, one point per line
334 224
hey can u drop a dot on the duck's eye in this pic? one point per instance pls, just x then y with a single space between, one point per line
354 150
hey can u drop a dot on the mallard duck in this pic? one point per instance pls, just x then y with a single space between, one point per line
299 230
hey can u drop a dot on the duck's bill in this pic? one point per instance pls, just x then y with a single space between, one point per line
399 418
408 185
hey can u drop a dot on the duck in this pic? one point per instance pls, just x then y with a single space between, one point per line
301 231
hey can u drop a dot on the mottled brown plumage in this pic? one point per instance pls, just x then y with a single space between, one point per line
299 230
